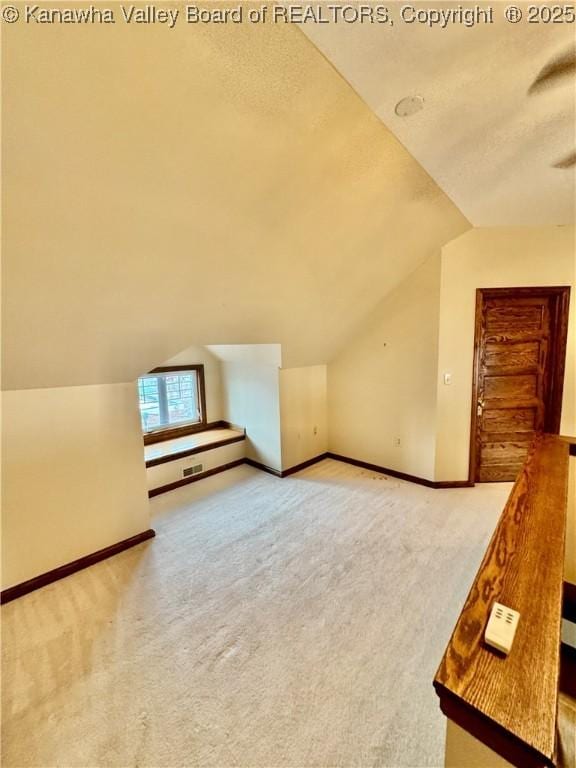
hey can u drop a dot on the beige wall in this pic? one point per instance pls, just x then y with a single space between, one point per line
487 258
303 414
207 184
387 382
73 475
212 376
252 400
212 183
465 751
382 385
256 353
171 471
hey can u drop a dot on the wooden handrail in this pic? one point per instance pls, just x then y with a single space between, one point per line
510 702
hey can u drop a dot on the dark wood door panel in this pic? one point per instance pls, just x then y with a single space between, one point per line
511 355
514 336
519 356
511 387
509 420
508 438
503 452
510 403
498 474
510 416
522 317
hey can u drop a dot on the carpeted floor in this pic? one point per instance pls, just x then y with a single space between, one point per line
293 622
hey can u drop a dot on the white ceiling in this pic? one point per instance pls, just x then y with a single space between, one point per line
214 184
222 184
487 143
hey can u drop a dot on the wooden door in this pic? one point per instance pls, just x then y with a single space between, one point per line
520 348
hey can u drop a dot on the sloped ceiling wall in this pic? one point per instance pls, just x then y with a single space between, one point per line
267 354
208 184
491 140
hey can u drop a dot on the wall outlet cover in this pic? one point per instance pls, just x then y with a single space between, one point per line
501 627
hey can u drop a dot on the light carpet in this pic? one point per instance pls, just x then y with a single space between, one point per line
293 622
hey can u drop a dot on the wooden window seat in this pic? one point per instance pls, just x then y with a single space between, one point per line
181 447
188 458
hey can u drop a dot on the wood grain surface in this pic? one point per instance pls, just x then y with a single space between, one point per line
523 568
512 385
520 341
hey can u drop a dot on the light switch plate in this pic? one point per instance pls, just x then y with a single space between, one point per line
447 379
501 627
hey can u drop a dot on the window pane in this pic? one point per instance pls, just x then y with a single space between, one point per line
168 399
150 415
149 403
148 390
182 401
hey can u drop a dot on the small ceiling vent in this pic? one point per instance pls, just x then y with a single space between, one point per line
409 106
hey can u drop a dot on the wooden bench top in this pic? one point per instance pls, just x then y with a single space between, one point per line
510 703
180 447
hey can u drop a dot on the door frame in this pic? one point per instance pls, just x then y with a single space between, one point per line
559 333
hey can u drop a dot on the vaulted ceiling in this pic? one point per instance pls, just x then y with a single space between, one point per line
202 185
497 126
223 184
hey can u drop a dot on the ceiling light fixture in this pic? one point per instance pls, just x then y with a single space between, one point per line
409 106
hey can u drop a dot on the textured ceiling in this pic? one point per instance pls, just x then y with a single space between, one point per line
224 185
485 135
203 185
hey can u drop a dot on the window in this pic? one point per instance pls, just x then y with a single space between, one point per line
172 398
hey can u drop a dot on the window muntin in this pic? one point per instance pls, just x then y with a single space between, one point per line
170 398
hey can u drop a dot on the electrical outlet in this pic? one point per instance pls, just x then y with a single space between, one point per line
315 431
501 627
396 442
